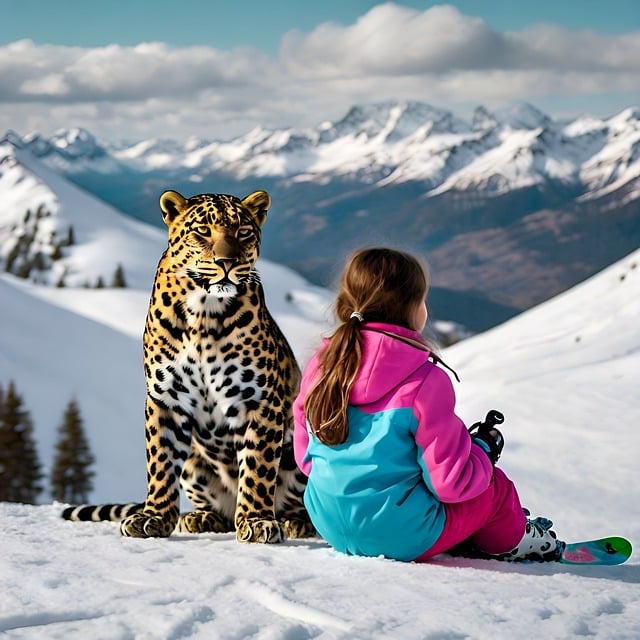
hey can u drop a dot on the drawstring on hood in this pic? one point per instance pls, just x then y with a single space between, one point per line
390 354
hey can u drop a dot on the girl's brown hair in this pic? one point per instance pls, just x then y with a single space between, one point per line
381 285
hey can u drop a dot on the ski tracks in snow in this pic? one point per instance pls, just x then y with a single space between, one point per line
284 605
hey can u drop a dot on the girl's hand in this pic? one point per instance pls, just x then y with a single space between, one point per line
487 436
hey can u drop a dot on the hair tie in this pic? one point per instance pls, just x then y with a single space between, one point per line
357 315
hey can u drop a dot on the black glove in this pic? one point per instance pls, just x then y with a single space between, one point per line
485 435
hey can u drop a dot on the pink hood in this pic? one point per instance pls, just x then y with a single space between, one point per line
386 363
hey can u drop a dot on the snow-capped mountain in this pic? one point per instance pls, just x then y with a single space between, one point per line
509 208
71 143
613 166
390 142
53 233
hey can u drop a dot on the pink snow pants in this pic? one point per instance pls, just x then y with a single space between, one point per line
493 521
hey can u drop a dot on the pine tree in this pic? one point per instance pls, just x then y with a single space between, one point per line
19 464
1 404
70 475
118 277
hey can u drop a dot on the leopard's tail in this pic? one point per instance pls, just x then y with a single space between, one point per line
101 513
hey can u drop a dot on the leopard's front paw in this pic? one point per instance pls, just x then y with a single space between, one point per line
204 522
147 525
258 530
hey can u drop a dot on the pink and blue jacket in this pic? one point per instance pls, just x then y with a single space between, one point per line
383 491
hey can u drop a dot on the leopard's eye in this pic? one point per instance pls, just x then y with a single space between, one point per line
244 232
203 230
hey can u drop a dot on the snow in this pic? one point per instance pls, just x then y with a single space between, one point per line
67 581
54 354
618 162
565 374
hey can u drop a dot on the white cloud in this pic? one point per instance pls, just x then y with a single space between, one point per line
438 55
392 40
29 72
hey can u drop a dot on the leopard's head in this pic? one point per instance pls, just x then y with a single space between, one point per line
214 239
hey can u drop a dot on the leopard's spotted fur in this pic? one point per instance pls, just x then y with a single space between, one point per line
221 380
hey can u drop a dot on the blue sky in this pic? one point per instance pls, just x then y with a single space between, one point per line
225 24
218 68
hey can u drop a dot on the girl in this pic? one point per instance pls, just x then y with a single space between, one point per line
392 470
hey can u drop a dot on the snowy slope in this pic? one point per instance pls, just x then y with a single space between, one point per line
565 374
103 238
54 354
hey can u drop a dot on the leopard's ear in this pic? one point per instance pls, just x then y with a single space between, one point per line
258 204
172 205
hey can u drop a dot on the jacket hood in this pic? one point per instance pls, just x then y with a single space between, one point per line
386 361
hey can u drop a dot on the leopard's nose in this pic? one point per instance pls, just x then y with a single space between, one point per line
226 263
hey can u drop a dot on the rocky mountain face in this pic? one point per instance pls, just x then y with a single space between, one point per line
508 208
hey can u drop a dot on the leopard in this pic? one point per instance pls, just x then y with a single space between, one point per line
221 379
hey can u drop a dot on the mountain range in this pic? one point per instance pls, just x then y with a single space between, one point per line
508 208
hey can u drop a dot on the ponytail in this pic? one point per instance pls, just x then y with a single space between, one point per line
326 404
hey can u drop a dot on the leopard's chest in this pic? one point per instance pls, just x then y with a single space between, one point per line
219 385
215 370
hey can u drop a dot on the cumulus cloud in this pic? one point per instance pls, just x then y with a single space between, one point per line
438 55
392 40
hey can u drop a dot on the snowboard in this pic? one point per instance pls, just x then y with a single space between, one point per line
608 551
601 551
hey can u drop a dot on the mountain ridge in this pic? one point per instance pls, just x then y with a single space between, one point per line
380 140
509 208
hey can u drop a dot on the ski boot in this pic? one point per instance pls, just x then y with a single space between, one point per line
539 543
